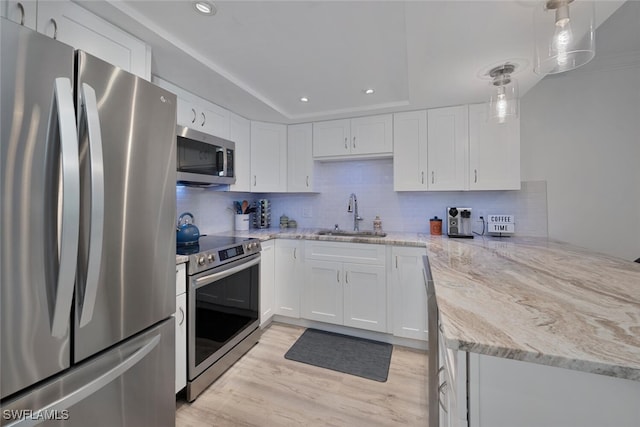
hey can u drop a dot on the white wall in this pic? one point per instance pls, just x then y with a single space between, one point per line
372 181
581 134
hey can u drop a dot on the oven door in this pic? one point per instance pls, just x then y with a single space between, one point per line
223 308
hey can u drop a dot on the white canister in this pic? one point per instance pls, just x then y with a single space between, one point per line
242 222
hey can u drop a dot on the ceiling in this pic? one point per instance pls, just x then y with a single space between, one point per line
257 58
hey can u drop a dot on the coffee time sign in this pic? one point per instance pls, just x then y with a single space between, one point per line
501 224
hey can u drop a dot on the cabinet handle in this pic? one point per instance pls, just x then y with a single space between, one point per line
307 181
55 28
422 177
338 276
442 389
475 173
21 7
345 143
182 313
346 277
294 253
433 177
195 115
254 180
396 261
204 119
354 142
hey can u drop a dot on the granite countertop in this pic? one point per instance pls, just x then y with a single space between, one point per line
392 237
540 301
181 259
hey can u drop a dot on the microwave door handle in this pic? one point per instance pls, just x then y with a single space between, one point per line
62 125
90 118
222 274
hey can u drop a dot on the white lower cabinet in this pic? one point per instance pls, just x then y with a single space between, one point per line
407 292
181 326
505 392
345 284
267 281
289 275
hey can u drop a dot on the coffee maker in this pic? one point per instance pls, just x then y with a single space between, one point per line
459 222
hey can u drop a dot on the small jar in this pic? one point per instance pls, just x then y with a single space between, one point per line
377 224
435 226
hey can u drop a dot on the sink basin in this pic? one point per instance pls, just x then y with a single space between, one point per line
371 234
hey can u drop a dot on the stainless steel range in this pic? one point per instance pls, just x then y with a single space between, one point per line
223 306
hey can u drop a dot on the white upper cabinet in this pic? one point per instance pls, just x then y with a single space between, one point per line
240 133
76 26
268 157
332 138
448 139
300 158
410 151
362 137
197 113
21 12
494 152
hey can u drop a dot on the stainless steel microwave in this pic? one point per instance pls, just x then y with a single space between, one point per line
204 159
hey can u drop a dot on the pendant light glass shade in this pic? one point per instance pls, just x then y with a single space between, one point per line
564 35
503 100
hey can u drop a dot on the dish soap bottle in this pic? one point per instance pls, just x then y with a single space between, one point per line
377 224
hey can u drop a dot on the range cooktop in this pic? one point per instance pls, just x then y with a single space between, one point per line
214 251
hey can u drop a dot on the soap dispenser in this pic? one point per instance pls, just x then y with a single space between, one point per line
377 224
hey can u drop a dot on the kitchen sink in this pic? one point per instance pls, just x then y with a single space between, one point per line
371 234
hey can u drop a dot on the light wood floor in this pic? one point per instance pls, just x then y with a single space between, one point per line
265 389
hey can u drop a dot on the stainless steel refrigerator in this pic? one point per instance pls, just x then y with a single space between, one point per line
88 239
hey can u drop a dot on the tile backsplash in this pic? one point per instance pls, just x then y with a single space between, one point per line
372 182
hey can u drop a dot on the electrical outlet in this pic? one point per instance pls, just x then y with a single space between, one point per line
307 213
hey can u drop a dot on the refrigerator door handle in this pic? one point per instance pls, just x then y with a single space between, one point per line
89 388
90 123
62 124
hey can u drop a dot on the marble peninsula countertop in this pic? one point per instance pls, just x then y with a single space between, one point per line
530 299
540 301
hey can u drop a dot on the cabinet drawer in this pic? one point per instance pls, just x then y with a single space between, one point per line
181 278
358 253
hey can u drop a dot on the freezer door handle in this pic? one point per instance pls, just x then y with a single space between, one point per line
62 124
87 389
90 123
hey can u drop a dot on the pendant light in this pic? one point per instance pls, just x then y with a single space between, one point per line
503 102
564 35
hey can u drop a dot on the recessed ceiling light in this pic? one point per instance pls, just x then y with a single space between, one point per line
204 7
304 99
369 91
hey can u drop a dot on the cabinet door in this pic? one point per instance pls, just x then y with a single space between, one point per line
365 297
288 277
214 120
410 151
300 158
447 130
83 30
408 293
240 133
267 281
186 113
332 138
181 341
21 12
322 291
372 135
494 152
268 157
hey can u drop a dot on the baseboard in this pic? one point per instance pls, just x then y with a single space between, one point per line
354 332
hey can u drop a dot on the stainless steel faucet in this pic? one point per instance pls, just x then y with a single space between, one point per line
353 207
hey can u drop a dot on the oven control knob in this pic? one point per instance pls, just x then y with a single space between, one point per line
211 258
201 260
253 245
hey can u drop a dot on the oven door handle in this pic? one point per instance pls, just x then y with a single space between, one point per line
205 280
